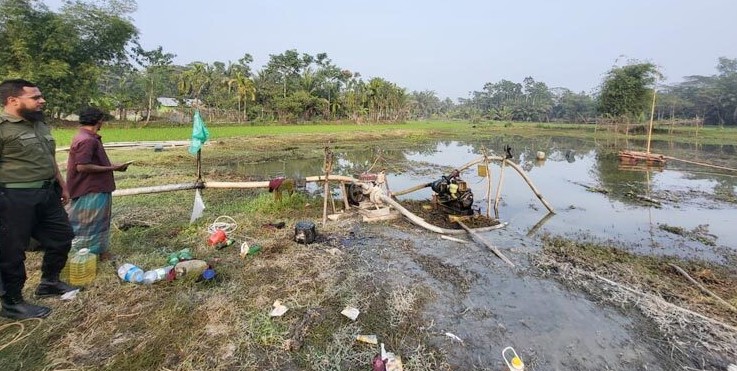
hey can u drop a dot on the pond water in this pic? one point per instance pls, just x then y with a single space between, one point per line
694 201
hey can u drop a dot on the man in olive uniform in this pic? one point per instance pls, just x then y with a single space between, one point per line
32 194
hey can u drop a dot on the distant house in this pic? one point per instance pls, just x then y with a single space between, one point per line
171 108
167 104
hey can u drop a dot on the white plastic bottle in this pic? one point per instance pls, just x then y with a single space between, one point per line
130 273
513 361
156 274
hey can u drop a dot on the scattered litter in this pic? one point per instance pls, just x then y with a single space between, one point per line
251 250
278 310
216 237
334 251
454 337
513 361
190 268
278 225
336 216
208 274
177 256
391 361
371 339
377 364
198 208
351 313
305 232
73 294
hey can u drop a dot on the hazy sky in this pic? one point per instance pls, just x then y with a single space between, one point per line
452 47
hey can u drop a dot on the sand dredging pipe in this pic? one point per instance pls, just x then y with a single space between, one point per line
343 179
202 185
265 184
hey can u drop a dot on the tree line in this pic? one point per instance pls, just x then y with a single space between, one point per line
88 53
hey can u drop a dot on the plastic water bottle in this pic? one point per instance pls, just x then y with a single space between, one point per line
181 255
251 250
130 273
82 268
190 268
513 361
156 274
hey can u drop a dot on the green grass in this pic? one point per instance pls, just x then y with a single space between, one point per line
409 130
114 133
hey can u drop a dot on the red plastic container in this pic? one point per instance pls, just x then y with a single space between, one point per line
217 237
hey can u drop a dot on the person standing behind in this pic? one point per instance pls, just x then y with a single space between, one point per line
32 194
91 182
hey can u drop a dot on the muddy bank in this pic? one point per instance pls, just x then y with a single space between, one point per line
554 320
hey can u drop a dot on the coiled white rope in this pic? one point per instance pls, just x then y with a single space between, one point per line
22 334
223 223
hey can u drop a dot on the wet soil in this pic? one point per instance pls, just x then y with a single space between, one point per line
553 321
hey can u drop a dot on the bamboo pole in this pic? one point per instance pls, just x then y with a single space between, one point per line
343 190
199 165
386 182
650 129
701 164
332 203
529 183
488 186
342 178
145 144
326 189
499 189
328 168
702 288
478 238
154 189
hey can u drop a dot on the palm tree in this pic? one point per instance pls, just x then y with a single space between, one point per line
246 91
194 81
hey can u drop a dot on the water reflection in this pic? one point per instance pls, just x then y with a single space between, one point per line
685 192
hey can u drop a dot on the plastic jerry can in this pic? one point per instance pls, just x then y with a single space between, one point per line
82 268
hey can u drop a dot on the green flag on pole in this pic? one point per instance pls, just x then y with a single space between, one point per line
199 133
